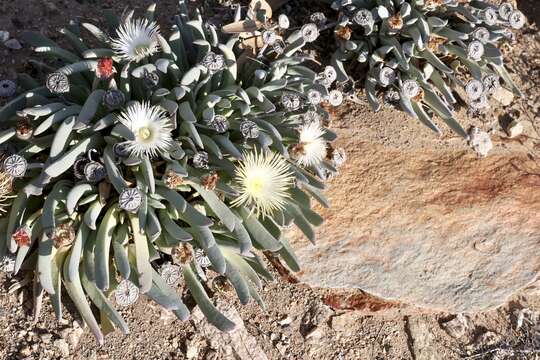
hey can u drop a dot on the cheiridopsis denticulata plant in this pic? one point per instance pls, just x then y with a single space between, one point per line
150 149
419 53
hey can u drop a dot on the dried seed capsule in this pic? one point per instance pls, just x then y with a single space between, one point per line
130 199
387 76
219 123
172 274
491 83
279 46
410 88
94 171
173 180
121 149
339 156
22 236
213 62
150 79
481 34
58 83
64 234
335 97
200 160
249 129
126 293
283 22
78 167
291 101
210 181
395 22
7 88
202 259
505 9
24 129
480 103
310 32
114 99
391 97
330 74
318 18
7 263
490 16
314 97
517 20
475 50
311 116
269 37
363 17
15 165
474 89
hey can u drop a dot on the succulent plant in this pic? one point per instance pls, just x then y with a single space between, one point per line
419 53
185 151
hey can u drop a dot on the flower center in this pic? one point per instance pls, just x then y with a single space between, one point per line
255 185
145 133
141 49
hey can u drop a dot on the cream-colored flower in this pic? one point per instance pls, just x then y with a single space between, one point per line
150 127
263 182
311 147
136 40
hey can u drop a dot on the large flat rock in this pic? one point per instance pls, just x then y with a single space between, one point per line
431 226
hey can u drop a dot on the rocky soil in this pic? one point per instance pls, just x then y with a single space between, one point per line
423 309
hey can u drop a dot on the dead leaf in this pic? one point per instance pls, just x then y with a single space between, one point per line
257 5
242 26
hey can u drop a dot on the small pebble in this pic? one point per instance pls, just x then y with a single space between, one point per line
4 36
7 88
514 129
13 44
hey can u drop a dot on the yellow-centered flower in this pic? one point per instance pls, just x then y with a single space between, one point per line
263 182
150 129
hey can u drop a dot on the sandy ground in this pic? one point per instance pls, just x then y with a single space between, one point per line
300 322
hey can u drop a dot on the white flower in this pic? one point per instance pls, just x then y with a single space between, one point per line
136 40
263 180
150 128
311 147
